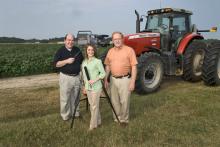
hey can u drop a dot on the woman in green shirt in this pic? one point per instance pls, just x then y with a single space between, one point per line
93 86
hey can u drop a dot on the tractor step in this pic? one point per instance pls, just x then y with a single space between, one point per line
170 63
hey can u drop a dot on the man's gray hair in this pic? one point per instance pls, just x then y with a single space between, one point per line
67 35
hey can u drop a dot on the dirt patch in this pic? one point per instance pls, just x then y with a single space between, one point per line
29 81
46 80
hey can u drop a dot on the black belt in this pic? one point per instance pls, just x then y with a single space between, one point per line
119 77
73 75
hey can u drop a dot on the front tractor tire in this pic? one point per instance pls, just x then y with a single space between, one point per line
193 61
211 66
150 73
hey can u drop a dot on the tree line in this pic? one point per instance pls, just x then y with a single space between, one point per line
19 40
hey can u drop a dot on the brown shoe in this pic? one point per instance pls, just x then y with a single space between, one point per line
123 124
66 119
91 129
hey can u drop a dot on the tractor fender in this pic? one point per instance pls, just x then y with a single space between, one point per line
186 40
151 49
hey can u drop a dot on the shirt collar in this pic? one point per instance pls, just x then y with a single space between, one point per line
69 49
119 47
90 59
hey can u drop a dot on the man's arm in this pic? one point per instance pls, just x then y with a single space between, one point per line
133 77
64 62
107 71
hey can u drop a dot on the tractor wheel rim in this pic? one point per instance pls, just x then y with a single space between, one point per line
150 74
197 62
151 77
218 68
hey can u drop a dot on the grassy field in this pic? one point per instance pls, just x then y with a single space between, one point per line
28 59
179 114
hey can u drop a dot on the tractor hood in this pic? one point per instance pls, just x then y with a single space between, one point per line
142 41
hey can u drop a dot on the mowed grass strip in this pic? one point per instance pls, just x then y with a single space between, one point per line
179 114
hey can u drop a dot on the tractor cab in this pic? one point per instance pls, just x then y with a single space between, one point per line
172 24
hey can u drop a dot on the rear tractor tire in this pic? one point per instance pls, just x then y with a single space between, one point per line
193 61
150 73
211 66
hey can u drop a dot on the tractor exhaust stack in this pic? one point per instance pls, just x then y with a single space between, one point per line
137 22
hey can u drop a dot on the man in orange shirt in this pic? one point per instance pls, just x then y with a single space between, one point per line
121 62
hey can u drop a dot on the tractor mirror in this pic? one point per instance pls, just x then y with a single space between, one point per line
213 29
141 19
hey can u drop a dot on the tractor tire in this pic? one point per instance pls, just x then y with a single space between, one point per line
150 73
211 65
193 61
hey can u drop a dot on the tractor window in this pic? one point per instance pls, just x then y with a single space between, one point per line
165 23
180 27
180 24
158 23
152 23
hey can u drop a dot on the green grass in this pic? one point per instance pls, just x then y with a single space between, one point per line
179 114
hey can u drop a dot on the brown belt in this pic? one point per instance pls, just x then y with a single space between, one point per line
119 77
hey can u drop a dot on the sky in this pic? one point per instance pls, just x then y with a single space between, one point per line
44 19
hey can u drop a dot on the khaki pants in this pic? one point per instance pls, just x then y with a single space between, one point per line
69 90
94 98
120 97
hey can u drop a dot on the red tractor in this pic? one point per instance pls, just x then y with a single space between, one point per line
171 45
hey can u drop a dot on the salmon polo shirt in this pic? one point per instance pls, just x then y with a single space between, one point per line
121 60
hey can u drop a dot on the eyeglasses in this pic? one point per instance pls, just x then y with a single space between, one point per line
69 40
117 39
